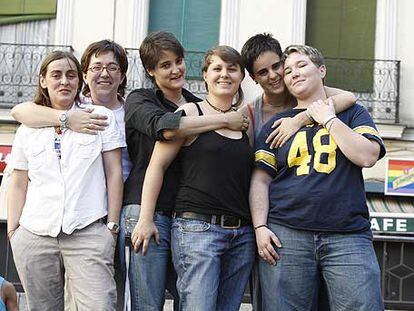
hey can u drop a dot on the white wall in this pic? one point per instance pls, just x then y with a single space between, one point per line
273 16
93 21
405 49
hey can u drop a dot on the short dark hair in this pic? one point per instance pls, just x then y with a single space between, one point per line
96 48
229 55
42 96
257 45
154 45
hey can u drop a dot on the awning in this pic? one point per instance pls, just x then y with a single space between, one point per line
17 11
391 214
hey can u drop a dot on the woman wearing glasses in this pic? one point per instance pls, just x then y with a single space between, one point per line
104 66
212 237
56 215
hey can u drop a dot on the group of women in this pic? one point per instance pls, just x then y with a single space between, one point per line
212 240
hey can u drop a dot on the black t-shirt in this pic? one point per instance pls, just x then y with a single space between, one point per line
147 114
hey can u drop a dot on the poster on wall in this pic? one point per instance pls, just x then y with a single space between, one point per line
399 179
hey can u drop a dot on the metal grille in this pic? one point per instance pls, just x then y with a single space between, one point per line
376 84
396 258
19 70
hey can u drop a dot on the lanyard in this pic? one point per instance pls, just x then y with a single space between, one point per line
57 141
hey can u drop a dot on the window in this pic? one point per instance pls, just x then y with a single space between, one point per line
344 29
195 23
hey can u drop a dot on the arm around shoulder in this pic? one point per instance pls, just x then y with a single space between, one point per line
33 115
342 99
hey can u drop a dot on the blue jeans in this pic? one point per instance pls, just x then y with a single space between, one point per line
152 274
213 264
346 261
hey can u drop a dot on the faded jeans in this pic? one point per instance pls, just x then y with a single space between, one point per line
346 261
213 264
152 274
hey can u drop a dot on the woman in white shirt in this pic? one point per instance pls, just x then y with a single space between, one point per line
64 199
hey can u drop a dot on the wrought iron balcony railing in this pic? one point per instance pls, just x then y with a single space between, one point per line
376 83
19 70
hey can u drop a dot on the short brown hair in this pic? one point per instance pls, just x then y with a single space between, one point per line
314 55
96 48
42 94
154 45
228 55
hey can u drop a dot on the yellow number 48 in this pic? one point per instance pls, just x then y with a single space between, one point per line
299 154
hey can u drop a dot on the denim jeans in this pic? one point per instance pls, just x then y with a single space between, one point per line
346 261
213 264
152 274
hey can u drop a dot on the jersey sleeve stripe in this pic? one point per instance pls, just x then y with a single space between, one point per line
266 158
367 130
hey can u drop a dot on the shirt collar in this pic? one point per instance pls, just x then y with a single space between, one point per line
189 97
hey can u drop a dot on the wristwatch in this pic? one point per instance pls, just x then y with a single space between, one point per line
63 119
113 227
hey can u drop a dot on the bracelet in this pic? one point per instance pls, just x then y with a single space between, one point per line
330 126
309 116
260 226
10 231
330 119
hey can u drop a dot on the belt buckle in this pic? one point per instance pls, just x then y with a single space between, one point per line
222 224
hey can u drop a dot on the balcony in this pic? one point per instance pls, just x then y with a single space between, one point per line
376 83
19 70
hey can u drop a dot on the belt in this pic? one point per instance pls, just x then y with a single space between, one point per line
225 221
165 213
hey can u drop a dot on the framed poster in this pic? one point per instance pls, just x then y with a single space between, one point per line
399 178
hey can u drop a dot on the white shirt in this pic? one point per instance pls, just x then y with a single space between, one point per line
120 121
67 194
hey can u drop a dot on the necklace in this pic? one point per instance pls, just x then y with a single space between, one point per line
218 109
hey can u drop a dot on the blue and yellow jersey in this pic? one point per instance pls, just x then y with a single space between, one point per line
314 186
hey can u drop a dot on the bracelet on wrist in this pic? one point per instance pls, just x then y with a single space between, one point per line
330 125
309 116
324 124
260 226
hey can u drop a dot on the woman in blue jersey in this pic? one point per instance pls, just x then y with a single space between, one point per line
212 237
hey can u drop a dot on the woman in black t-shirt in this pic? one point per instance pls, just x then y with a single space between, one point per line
212 238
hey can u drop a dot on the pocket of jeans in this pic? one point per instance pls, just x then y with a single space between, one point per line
14 234
190 225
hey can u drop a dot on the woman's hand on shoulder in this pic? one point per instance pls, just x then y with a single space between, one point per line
283 129
86 121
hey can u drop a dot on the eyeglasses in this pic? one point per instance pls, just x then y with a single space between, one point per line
111 68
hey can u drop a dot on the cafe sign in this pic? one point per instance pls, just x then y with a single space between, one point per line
392 223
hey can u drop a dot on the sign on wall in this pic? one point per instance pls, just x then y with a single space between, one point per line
4 153
399 179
